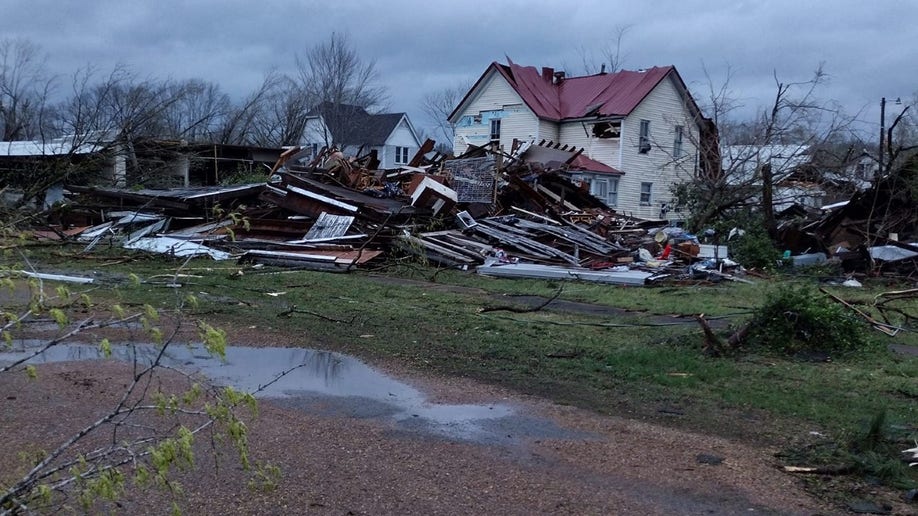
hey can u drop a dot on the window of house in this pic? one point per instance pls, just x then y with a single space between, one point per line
646 193
495 129
605 189
677 142
607 130
401 155
644 139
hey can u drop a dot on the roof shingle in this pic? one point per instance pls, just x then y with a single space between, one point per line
352 125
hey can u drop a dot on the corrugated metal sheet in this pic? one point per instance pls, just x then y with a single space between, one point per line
532 270
329 227
55 147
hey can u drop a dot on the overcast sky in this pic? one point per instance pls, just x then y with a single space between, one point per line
869 49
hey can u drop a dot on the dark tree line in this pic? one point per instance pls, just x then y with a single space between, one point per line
36 104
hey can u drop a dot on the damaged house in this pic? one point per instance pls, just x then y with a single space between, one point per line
353 130
789 164
639 130
39 168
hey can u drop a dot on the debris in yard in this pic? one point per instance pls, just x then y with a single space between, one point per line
57 277
508 215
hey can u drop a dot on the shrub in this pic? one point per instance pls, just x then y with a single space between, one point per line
752 249
755 249
798 321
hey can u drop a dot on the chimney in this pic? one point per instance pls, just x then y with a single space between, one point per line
548 73
559 77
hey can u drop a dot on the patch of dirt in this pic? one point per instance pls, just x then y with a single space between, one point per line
341 465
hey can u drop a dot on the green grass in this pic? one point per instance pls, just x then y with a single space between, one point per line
623 363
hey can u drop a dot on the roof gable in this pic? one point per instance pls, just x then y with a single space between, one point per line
606 94
352 125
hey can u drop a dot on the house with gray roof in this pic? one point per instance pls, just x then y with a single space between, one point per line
356 132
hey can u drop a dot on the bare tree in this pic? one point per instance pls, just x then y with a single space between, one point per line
24 90
198 112
282 120
753 156
611 57
238 126
103 113
438 105
334 72
335 76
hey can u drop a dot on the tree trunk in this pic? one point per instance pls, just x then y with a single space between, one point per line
768 206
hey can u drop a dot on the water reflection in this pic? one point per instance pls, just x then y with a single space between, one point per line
311 378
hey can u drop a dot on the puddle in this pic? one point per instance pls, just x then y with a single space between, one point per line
326 383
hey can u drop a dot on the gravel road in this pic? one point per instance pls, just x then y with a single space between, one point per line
347 455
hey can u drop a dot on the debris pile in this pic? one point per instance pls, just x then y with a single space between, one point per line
499 213
511 215
875 230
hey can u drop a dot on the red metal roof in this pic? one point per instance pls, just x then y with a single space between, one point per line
582 162
609 94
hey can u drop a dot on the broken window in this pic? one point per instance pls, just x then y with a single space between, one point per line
644 139
646 191
607 130
677 142
495 129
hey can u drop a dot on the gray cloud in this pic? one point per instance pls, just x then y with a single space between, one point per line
868 48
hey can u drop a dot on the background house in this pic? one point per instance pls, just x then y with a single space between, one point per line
42 168
639 129
795 180
356 132
864 167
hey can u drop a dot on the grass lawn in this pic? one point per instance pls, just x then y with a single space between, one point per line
632 358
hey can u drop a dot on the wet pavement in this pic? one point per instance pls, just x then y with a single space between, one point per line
324 383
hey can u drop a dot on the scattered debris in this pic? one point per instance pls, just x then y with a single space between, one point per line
507 215
57 277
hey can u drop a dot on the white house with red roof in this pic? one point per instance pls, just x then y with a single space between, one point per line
639 130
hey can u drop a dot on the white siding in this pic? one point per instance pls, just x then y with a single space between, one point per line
401 137
665 109
548 130
604 150
495 99
315 132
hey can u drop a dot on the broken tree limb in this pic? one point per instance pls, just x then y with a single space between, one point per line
715 344
523 310
294 310
883 327
820 470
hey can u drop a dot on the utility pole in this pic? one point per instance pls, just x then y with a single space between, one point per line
882 135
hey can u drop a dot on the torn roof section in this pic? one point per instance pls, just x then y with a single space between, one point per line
549 153
551 96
